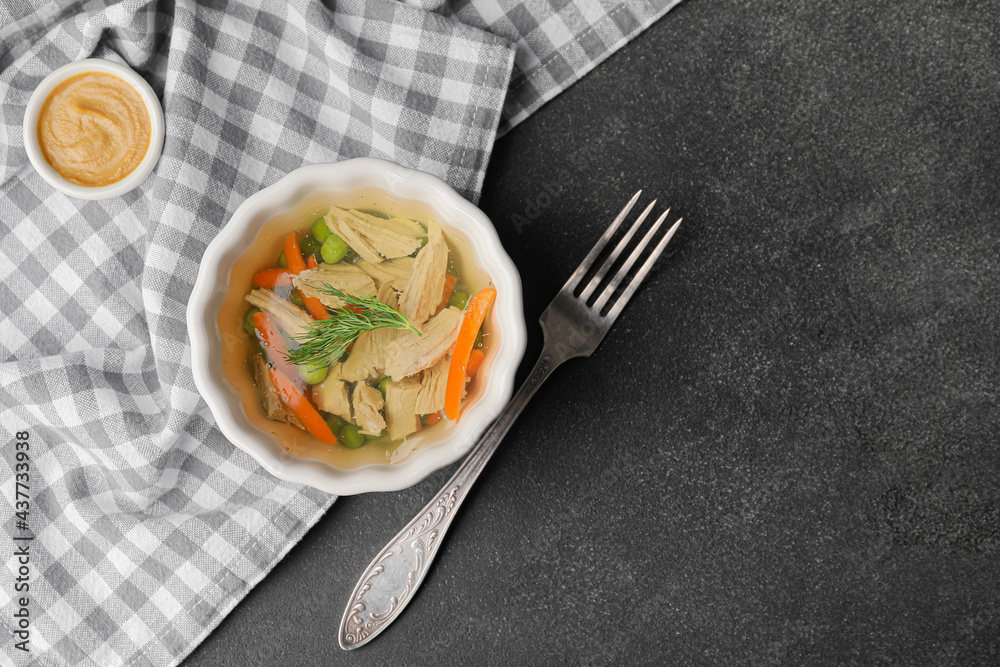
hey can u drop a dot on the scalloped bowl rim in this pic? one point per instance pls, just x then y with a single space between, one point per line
344 177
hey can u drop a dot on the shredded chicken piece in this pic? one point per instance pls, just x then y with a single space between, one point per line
367 403
367 358
363 361
395 272
285 314
331 396
433 383
269 399
409 353
400 407
375 238
345 277
422 294
388 295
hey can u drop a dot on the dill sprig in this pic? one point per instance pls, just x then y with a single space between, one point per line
325 341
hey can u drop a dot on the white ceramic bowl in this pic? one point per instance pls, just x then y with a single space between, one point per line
50 175
341 179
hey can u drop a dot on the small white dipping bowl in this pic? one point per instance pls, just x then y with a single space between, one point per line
503 354
50 175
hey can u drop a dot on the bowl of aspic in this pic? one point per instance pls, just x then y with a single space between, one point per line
356 326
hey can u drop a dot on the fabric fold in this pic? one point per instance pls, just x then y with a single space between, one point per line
148 525
557 41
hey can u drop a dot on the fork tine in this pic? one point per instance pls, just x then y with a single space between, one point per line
599 246
599 276
620 275
643 271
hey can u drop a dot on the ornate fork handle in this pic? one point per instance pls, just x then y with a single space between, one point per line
390 581
573 325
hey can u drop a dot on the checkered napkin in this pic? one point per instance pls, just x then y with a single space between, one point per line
146 526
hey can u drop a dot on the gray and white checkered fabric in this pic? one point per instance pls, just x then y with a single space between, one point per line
148 525
558 41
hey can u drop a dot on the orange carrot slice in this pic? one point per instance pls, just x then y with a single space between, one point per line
282 372
449 285
475 361
475 313
293 255
282 277
300 406
274 344
272 278
315 307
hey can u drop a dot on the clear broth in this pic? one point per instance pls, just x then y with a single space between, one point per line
261 253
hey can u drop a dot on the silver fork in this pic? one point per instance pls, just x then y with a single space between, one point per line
572 328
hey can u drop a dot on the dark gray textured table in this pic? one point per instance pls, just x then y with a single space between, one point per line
786 452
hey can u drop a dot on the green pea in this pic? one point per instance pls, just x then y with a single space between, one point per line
248 322
334 249
458 299
335 423
295 297
312 374
309 246
321 231
282 262
351 256
383 384
351 437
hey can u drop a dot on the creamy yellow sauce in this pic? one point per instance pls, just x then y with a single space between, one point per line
94 129
261 253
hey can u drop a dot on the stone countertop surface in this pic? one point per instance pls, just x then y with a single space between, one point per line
786 450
